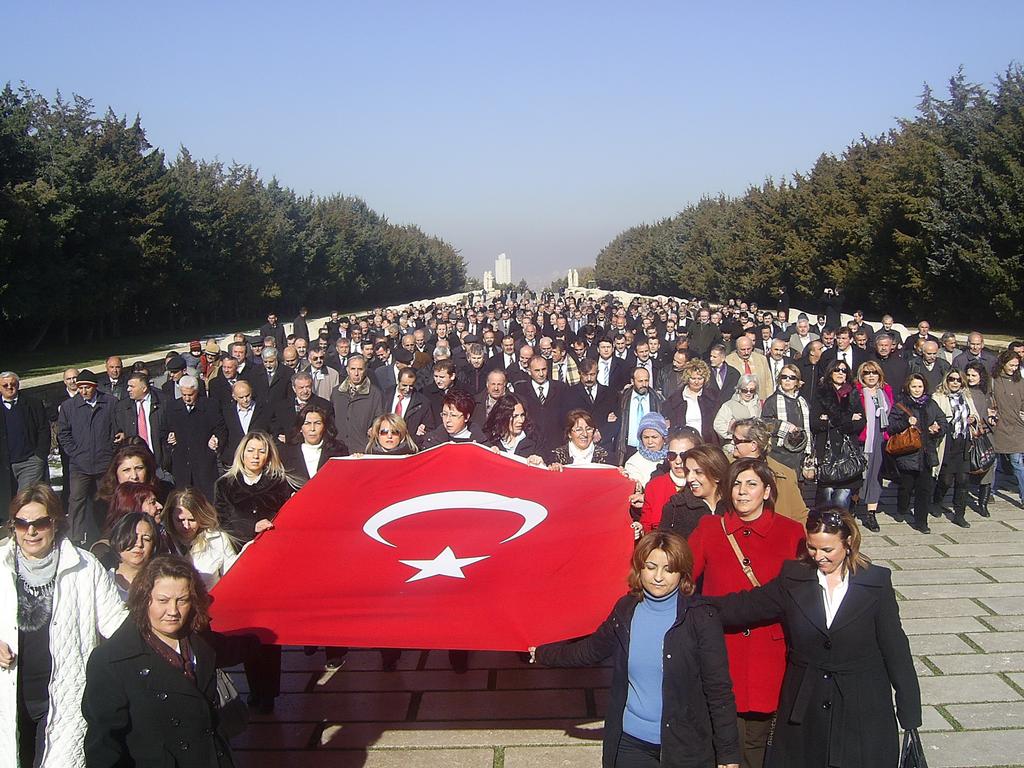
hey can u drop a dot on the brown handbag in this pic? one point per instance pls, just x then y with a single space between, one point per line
907 441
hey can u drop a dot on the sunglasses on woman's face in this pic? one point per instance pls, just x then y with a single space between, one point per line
673 455
40 523
748 391
789 377
831 519
386 432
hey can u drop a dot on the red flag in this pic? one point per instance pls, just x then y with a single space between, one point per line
455 547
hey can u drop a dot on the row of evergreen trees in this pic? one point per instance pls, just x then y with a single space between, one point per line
926 220
101 236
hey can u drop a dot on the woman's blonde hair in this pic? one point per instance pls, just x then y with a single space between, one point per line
202 510
871 365
274 468
391 421
696 366
838 521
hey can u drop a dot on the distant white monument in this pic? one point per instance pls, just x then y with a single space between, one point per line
503 269
573 280
488 281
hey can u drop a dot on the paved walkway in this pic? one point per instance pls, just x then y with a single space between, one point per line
961 599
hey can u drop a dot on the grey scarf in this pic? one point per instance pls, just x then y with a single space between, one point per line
36 580
881 409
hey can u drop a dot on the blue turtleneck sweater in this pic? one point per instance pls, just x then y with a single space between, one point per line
651 620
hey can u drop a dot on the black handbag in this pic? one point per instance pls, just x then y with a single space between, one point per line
232 711
843 461
981 454
912 754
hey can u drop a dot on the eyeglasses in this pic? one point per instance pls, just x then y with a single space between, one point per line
748 391
40 523
830 519
870 373
385 432
954 378
742 440
673 455
789 377
583 430
841 371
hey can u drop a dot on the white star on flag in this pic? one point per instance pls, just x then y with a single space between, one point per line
445 564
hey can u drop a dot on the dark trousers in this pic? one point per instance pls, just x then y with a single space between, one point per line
263 671
31 732
918 483
81 521
754 728
637 753
959 482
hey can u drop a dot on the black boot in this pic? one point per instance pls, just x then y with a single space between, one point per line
984 494
938 495
960 505
871 522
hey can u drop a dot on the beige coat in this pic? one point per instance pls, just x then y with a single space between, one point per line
759 367
942 400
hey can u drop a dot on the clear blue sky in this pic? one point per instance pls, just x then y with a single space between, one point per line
537 129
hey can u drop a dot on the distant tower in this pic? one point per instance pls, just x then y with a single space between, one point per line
503 269
488 281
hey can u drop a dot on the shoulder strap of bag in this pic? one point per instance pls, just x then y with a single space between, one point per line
904 408
743 561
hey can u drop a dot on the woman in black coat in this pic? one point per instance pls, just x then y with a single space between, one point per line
151 689
248 497
671 701
509 429
314 440
844 657
834 413
916 468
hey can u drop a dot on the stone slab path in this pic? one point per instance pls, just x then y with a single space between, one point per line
961 596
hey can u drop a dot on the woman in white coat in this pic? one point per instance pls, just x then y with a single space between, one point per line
744 404
55 603
197 535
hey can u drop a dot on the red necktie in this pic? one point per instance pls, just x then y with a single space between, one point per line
746 367
143 425
398 405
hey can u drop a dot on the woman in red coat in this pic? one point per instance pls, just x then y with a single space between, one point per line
757 653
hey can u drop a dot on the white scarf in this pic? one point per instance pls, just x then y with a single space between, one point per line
581 457
805 412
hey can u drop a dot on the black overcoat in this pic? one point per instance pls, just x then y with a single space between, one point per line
142 712
835 708
698 706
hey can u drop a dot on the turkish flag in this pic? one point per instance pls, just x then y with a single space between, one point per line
455 547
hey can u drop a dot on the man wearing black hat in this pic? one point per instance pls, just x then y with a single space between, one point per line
176 368
85 430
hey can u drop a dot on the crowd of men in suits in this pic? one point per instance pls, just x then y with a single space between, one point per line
557 352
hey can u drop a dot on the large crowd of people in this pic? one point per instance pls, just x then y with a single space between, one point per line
721 415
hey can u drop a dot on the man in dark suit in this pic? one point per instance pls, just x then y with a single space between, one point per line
273 383
778 357
811 369
274 329
923 334
611 370
242 416
495 386
597 400
520 371
505 357
300 330
24 440
893 366
724 377
472 376
221 384
403 400
282 420
547 403
195 430
114 383
846 351
141 415
637 401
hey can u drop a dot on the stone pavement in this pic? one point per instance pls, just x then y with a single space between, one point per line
961 598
